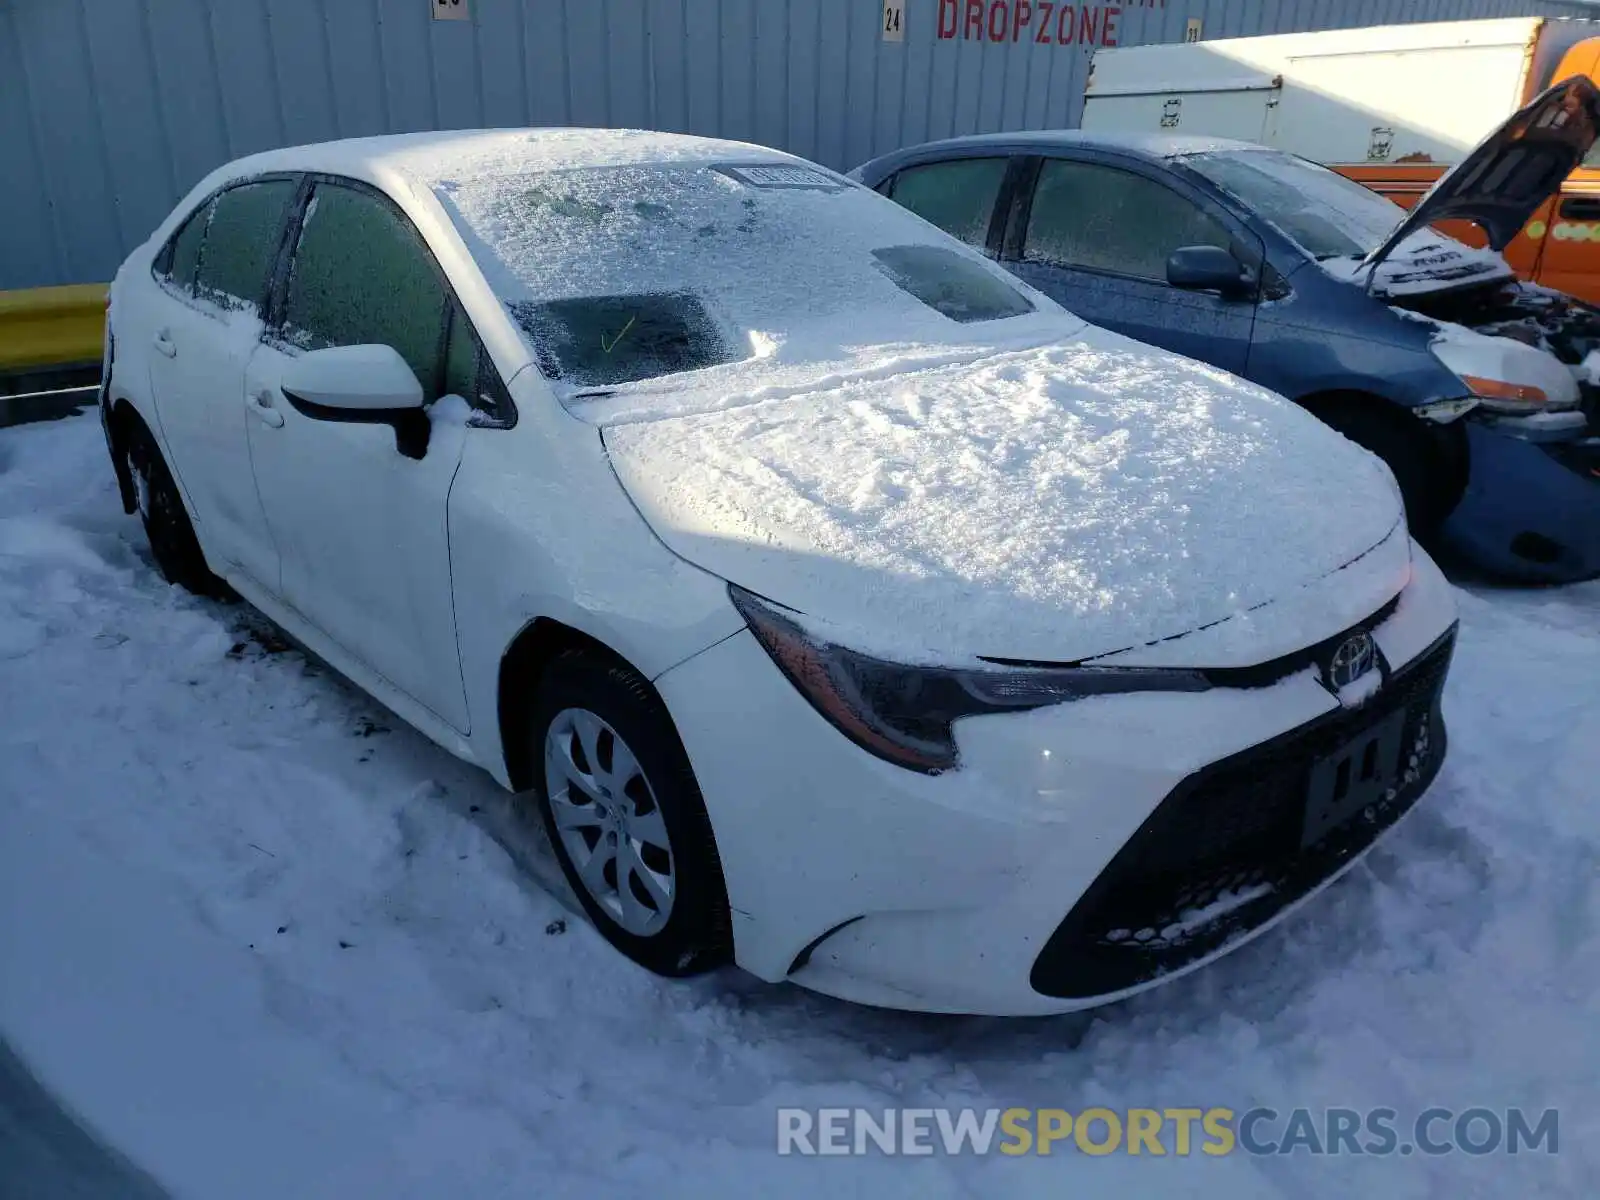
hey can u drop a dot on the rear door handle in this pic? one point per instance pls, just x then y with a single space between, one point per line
260 403
163 342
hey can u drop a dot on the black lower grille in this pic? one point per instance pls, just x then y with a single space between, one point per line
1230 846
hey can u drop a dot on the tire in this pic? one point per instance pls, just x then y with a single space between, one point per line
166 523
619 801
1410 454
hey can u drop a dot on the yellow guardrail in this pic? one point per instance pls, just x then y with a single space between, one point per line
52 327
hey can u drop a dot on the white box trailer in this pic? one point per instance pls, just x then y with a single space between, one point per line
1391 93
1392 106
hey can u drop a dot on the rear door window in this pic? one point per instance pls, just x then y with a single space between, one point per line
958 196
1106 219
241 243
361 275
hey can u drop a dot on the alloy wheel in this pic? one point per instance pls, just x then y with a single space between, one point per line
609 823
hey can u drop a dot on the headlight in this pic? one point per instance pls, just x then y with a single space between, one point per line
1499 395
1503 375
905 713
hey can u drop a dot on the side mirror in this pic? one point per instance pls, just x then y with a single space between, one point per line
352 379
1209 269
370 385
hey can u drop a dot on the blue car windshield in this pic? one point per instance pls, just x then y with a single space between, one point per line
1322 212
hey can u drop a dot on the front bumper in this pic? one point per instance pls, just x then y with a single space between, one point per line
1021 882
1531 509
1231 841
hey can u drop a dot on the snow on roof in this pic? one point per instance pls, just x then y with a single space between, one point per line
432 158
1144 145
396 163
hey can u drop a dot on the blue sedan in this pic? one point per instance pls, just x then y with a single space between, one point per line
1477 390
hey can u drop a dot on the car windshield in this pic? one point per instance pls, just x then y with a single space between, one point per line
1325 214
627 273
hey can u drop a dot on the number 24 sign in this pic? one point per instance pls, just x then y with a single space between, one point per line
893 15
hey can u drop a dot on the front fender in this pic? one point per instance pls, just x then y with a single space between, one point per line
540 527
1302 360
1328 336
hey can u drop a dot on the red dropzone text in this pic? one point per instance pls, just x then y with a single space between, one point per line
1040 21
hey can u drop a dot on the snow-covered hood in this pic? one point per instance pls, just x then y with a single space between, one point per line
1048 504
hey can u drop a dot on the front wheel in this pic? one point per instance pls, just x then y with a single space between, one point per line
623 811
1428 485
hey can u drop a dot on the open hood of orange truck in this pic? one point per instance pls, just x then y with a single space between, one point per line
1507 176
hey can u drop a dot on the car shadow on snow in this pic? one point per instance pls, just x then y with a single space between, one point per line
505 817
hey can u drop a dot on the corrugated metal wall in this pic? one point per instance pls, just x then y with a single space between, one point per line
111 109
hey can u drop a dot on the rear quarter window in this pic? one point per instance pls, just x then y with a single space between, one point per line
179 260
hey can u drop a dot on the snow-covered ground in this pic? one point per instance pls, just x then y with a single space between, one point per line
269 943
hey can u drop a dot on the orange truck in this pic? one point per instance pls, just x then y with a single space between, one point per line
1391 106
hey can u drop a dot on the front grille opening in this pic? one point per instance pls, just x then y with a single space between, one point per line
1239 841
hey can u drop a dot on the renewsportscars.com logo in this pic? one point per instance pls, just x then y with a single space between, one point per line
1159 1132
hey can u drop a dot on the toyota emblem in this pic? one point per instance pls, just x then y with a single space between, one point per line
1353 658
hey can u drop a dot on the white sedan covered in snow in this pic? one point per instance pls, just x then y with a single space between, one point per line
846 608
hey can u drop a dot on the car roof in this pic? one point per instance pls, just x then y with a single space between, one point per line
1155 147
459 155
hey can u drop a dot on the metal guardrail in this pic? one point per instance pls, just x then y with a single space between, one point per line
46 328
50 346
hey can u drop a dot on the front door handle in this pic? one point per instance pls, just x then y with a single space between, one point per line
163 343
260 403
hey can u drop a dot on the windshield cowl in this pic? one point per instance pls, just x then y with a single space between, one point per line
823 358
